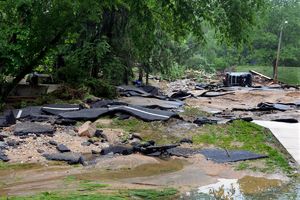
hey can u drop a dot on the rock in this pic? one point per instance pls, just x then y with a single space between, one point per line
40 151
87 129
99 134
137 135
94 140
103 122
186 140
113 136
65 122
95 152
62 148
134 141
86 144
69 157
52 142
3 156
3 145
26 128
117 149
7 119
3 135
71 132
12 143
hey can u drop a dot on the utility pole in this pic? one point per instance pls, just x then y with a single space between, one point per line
275 70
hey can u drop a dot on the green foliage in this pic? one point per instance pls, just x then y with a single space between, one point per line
249 136
79 40
289 75
174 72
101 88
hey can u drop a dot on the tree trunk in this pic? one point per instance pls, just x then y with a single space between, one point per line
7 88
140 74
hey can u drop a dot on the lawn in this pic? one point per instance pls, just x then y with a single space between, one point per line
289 75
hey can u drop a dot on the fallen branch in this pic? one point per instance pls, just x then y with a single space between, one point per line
259 74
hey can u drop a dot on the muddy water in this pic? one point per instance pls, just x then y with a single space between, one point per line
164 166
39 178
246 188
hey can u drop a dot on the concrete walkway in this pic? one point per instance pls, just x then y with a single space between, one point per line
288 134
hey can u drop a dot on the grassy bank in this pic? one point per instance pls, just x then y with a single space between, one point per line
150 194
289 75
245 136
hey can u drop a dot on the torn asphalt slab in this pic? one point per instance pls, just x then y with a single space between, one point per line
223 156
26 128
55 109
84 114
215 94
69 157
152 102
28 112
145 114
139 112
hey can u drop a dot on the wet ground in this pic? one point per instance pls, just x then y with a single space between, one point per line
137 171
194 177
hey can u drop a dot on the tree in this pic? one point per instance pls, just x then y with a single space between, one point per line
91 33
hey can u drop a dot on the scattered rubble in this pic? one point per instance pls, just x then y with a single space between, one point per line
87 129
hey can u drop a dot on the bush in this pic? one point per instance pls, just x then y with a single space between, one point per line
175 72
220 64
101 88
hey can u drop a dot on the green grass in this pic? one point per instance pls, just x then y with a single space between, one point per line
16 166
149 130
245 136
289 75
192 112
87 185
149 194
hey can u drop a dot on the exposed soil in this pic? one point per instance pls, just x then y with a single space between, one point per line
136 170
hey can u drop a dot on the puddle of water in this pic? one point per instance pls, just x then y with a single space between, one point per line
247 188
39 178
164 166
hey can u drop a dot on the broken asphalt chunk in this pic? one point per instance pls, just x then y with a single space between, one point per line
286 120
215 94
26 128
222 156
7 119
62 148
69 157
117 149
275 106
204 120
3 156
84 114
181 95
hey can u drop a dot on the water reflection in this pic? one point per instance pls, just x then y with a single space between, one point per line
247 188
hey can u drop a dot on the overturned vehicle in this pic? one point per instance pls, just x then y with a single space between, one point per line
238 79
